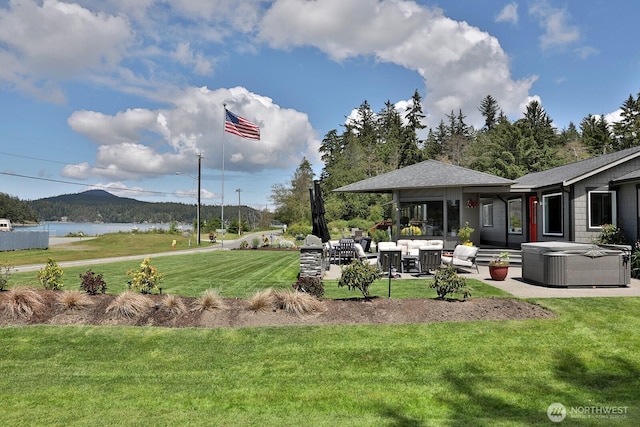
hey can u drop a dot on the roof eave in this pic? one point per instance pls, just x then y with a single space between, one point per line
603 168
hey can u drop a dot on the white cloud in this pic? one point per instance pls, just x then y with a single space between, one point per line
509 14
141 142
585 52
614 116
122 190
122 127
42 44
459 63
78 171
185 55
558 32
193 194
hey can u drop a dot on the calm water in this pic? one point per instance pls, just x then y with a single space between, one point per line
61 229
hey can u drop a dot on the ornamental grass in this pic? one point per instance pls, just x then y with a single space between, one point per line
130 304
22 303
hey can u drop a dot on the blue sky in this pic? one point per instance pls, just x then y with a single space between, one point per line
121 95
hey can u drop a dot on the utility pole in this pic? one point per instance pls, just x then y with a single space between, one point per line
199 182
239 223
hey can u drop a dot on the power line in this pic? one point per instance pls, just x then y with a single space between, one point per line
104 187
58 161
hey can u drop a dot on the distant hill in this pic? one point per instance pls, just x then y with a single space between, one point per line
102 206
90 196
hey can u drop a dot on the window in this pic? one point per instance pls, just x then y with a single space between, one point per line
487 214
453 216
515 216
602 208
422 218
552 214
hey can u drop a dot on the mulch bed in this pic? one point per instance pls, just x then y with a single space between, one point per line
236 313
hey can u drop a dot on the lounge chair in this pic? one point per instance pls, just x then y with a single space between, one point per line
389 255
346 250
463 257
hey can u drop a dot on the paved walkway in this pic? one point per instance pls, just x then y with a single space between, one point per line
205 246
516 286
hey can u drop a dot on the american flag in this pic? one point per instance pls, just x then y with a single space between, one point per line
240 126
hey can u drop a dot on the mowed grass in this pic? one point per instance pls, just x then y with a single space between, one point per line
237 273
104 246
482 373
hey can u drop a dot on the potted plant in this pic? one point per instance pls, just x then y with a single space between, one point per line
499 266
464 234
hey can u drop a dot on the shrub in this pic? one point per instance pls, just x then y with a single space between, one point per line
244 244
412 230
380 236
635 261
146 279
501 260
447 281
359 223
299 229
359 275
23 303
209 300
92 283
311 285
51 276
73 300
464 234
130 304
173 304
255 243
262 300
6 271
297 303
610 235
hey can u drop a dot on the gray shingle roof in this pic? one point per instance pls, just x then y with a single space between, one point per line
632 176
427 174
575 171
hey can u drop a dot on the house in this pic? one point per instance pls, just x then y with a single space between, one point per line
431 199
568 203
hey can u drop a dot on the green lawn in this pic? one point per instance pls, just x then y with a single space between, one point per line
236 274
482 373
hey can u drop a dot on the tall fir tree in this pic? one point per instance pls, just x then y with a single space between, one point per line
292 204
627 130
490 110
596 135
410 152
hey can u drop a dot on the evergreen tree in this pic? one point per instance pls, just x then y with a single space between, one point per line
537 124
490 111
459 136
16 210
627 130
596 135
503 151
292 203
409 150
391 131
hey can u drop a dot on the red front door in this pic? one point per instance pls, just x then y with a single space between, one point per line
533 219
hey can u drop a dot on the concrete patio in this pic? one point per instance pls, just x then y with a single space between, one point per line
517 287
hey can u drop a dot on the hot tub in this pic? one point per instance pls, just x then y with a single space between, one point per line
565 264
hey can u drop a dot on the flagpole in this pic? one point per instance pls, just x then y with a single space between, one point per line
222 205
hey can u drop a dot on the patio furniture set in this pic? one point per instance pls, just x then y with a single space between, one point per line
406 255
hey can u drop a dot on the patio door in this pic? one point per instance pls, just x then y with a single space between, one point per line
533 219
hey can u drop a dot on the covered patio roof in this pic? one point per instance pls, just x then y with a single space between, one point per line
427 174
